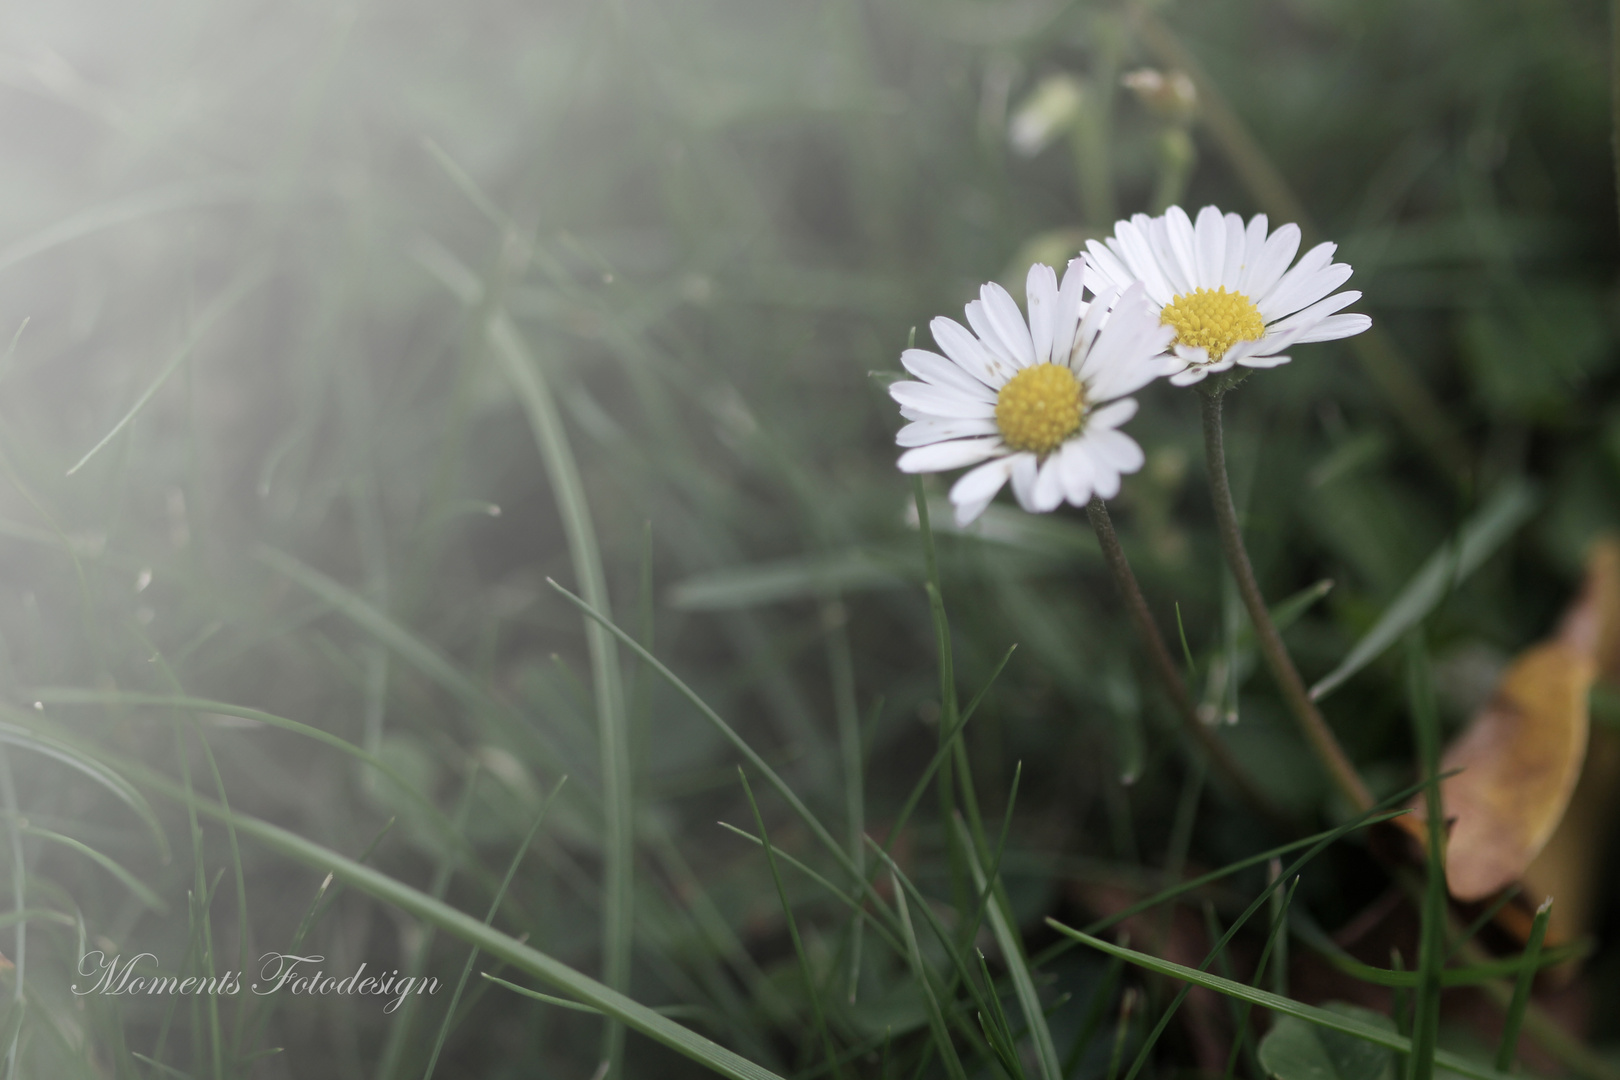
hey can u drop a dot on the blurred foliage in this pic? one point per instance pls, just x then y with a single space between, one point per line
734 212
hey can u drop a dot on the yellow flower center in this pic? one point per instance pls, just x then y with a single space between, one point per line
1213 318
1040 407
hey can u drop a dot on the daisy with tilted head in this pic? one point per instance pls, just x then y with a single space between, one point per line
1037 401
1227 288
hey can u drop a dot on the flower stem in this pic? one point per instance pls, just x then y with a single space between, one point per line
1315 729
1159 655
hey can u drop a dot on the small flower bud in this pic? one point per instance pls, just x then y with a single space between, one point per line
1172 96
1046 113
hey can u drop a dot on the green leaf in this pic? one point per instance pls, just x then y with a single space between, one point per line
1297 1050
1282 1006
802 578
1479 537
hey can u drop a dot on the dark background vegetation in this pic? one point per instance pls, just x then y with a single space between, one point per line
739 210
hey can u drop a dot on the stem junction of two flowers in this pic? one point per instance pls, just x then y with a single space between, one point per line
1315 729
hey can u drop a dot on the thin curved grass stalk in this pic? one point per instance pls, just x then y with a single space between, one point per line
410 648
19 901
820 831
1171 893
403 1026
1315 729
1432 937
1285 1006
139 889
1293 869
1521 990
489 917
1147 629
432 814
883 921
1012 953
618 842
525 958
812 991
1278 935
919 971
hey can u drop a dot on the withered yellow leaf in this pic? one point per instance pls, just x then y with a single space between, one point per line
1519 759
1567 867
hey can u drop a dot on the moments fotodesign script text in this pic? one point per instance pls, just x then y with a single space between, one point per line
277 971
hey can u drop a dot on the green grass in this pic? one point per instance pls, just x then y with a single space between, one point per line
339 337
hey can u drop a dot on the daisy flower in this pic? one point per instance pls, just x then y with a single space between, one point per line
1037 402
1226 288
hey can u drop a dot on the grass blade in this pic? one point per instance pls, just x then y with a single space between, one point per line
489 917
749 754
223 303
1521 989
1012 953
71 756
618 841
1478 538
146 896
919 972
1285 1006
811 988
1432 937
374 883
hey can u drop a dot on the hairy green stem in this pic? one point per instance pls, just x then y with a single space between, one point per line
1298 699
1165 667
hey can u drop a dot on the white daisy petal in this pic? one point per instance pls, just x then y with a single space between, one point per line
1144 266
934 368
1209 240
940 401
923 432
1106 270
1049 485
1237 251
1041 294
1115 449
1268 267
1254 241
1288 298
979 320
1086 333
1334 327
968 512
1179 230
1158 238
1026 469
1192 374
940 456
1112 415
1304 284
1263 361
1070 308
1077 472
983 482
1287 331
1008 323
957 342
1113 345
1136 360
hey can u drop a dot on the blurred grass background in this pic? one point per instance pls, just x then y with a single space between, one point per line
279 230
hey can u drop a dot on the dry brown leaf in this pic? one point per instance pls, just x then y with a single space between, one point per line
1509 808
1520 759
1567 868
